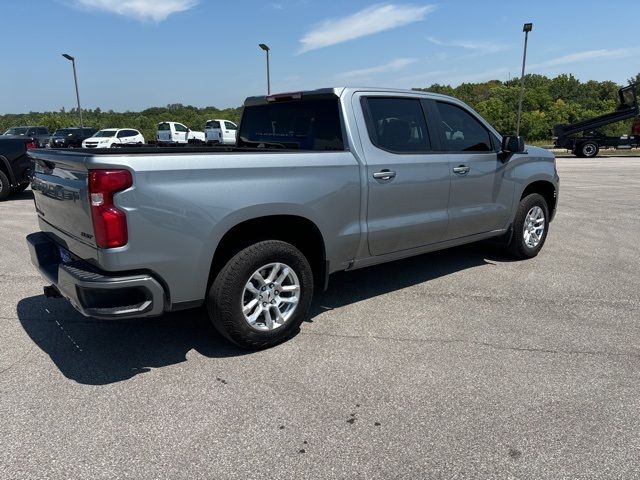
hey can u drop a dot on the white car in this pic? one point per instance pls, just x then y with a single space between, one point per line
174 132
220 131
113 137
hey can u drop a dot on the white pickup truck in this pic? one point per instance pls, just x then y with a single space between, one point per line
220 131
175 133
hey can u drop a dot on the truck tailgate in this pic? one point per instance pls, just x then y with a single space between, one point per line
60 193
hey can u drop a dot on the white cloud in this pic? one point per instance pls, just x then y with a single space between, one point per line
601 54
365 73
474 45
365 22
154 10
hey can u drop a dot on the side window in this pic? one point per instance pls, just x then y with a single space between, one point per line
122 134
397 125
230 126
180 128
462 131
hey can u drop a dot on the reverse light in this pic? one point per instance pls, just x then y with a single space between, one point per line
109 222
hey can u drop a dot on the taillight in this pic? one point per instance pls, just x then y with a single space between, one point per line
32 144
109 222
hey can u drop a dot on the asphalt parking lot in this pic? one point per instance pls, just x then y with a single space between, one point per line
458 364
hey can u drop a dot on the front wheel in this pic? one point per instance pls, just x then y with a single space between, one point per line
262 295
530 227
5 186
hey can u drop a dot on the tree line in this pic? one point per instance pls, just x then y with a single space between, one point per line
547 102
146 121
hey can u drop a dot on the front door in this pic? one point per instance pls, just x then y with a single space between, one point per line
408 183
181 133
481 194
229 130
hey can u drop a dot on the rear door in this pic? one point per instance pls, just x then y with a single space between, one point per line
212 131
121 137
408 181
164 132
481 194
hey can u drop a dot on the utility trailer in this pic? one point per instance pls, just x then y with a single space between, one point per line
585 140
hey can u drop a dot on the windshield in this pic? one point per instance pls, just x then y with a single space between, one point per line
301 125
16 131
105 133
63 132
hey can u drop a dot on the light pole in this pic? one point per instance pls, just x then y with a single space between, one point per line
75 78
526 29
266 49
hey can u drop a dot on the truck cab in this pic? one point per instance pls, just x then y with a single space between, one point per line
172 133
220 131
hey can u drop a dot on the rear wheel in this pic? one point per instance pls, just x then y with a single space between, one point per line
588 149
5 186
262 295
530 227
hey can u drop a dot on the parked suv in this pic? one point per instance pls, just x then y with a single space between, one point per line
70 137
39 134
114 137
220 131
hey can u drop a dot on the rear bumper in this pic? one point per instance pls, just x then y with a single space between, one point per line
94 293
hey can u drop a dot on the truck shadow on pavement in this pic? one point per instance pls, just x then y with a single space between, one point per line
94 352
24 195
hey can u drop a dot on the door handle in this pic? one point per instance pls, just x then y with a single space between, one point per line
384 175
461 169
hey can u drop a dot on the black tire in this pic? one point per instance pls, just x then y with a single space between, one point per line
518 247
20 188
587 149
224 301
5 186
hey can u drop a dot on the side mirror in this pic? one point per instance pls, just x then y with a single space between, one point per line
510 145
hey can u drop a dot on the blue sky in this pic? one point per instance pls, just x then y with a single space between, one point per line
132 54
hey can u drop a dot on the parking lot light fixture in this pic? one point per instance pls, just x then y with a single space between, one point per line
527 27
266 48
75 79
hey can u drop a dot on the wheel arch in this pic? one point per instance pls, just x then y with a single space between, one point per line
296 229
5 167
545 188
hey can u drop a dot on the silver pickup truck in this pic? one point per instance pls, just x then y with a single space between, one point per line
321 181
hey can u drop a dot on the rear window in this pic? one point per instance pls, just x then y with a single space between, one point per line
163 127
298 125
212 124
